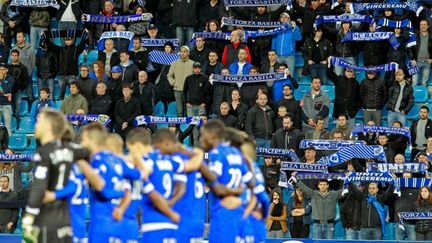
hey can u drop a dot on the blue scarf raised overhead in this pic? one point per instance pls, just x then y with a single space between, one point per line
162 57
378 68
354 152
100 19
252 3
372 36
413 182
115 35
406 23
6 158
146 120
87 118
274 152
300 166
329 144
387 130
410 5
396 168
249 24
35 3
258 78
344 18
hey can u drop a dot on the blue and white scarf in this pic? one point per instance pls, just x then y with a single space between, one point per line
320 176
378 68
410 5
384 177
372 36
100 19
146 120
115 35
162 57
249 24
158 42
413 182
354 152
263 33
396 168
411 68
211 36
256 3
344 18
15 157
387 130
87 118
329 144
35 3
300 166
274 152
241 79
406 23
413 216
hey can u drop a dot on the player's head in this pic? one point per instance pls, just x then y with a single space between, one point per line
211 134
68 135
248 147
164 140
115 143
50 125
93 136
139 141
232 136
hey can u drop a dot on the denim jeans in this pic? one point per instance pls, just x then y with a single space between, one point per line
6 116
67 25
422 77
323 231
16 101
375 116
371 234
339 70
290 61
47 83
351 234
408 234
319 70
396 116
275 234
63 82
35 34
184 34
178 95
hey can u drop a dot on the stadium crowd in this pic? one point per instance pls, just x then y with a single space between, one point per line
63 57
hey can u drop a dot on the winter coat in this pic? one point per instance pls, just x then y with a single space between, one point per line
407 97
47 65
311 108
126 112
293 108
140 58
7 85
72 103
423 226
347 95
20 75
101 104
325 48
115 58
67 57
373 93
17 15
259 122
285 42
129 72
87 87
185 13
287 139
197 89
147 98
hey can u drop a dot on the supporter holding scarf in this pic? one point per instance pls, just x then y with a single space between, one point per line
423 227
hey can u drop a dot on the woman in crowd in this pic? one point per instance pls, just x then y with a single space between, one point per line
299 215
139 28
165 89
276 221
423 227
238 108
98 73
214 44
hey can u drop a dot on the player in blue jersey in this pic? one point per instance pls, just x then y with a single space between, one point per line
228 164
156 226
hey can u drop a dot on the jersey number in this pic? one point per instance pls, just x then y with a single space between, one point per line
236 176
199 187
61 177
76 200
167 185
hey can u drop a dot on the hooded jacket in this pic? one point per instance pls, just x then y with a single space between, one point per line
347 95
373 93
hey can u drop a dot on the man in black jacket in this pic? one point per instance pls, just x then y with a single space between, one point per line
109 56
373 94
125 111
114 85
139 54
404 203
19 72
225 117
200 52
287 137
87 84
185 18
197 92
8 216
350 208
389 152
401 98
420 130
129 69
46 69
292 105
146 93
101 104
259 122
13 18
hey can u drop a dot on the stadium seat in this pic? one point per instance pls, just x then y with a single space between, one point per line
430 110
359 115
329 90
162 125
420 94
159 109
24 108
58 104
56 92
299 61
413 113
26 125
35 89
187 141
32 145
183 127
305 80
172 109
14 123
57 41
300 91
92 56
18 142
331 109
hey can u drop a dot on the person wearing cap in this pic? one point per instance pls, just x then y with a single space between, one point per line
114 84
316 50
400 99
177 74
7 83
420 130
200 53
373 94
284 42
153 33
197 92
109 56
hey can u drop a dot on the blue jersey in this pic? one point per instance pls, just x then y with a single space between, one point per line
263 203
76 190
191 221
162 168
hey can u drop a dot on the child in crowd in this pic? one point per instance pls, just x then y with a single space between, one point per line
44 101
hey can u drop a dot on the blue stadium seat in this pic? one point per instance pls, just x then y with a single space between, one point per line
92 56
172 109
25 125
58 104
56 92
187 141
304 80
430 110
35 89
299 61
17 141
384 113
329 90
420 94
14 123
32 144
159 109
360 114
300 91
24 108
183 127
360 75
57 41
413 113
162 125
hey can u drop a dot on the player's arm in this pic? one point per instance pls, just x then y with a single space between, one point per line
93 178
66 192
195 161
248 174
218 189
179 188
160 203
124 204
250 206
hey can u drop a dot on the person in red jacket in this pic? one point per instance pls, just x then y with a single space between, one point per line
230 52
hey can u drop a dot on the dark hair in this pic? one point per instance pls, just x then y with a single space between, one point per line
231 135
272 50
337 130
163 134
382 134
282 65
420 199
255 68
323 180
15 51
288 116
136 37
215 52
45 89
316 77
124 52
319 118
215 126
424 108
5 176
127 85
207 26
139 135
344 115
76 83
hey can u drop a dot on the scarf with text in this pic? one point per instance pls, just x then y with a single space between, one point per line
274 152
285 182
35 3
410 6
344 18
300 166
413 216
100 19
162 57
5 158
336 61
411 68
387 130
396 168
158 42
146 120
87 118
241 79
413 182
329 144
249 24
115 35
354 152
372 36
252 3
